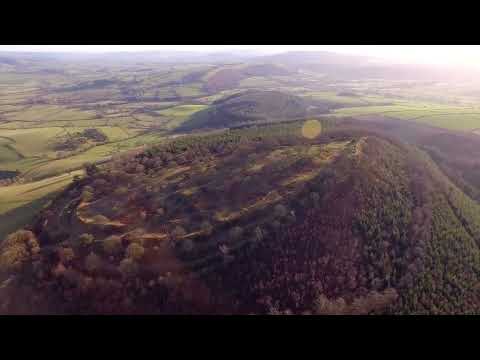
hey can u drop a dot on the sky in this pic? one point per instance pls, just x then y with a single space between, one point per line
465 55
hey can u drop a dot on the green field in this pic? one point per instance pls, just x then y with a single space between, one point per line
19 203
182 110
33 142
259 82
49 113
443 116
32 152
189 91
350 101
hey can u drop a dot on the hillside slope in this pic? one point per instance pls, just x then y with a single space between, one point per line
229 77
249 107
259 220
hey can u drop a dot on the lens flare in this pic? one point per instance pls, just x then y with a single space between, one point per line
311 129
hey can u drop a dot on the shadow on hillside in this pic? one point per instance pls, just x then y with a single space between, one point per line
23 215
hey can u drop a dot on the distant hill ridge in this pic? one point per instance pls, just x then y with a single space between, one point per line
252 106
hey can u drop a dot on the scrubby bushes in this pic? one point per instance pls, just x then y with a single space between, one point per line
66 255
135 251
280 211
17 249
93 262
367 233
87 195
373 302
128 267
112 245
86 239
207 227
236 233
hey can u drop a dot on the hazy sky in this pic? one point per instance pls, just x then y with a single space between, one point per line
430 54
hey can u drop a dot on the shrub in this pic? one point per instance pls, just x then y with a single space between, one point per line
139 168
276 224
17 249
135 236
259 234
66 255
128 267
121 190
236 233
374 302
100 184
188 245
112 245
324 306
315 196
88 188
87 196
116 209
135 251
91 169
86 239
280 210
93 262
207 227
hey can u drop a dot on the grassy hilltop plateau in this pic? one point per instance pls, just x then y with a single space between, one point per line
299 183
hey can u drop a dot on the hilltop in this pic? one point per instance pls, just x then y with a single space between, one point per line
258 220
252 106
304 183
228 77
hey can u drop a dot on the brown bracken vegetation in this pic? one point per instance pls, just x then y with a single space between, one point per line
256 220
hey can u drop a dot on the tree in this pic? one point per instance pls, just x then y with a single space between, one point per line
324 306
259 234
135 251
91 169
188 245
236 233
121 190
66 255
315 196
128 267
100 184
135 236
276 224
92 262
86 239
87 196
373 302
17 249
206 227
280 210
140 168
112 245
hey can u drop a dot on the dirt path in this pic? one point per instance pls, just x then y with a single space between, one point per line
66 217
